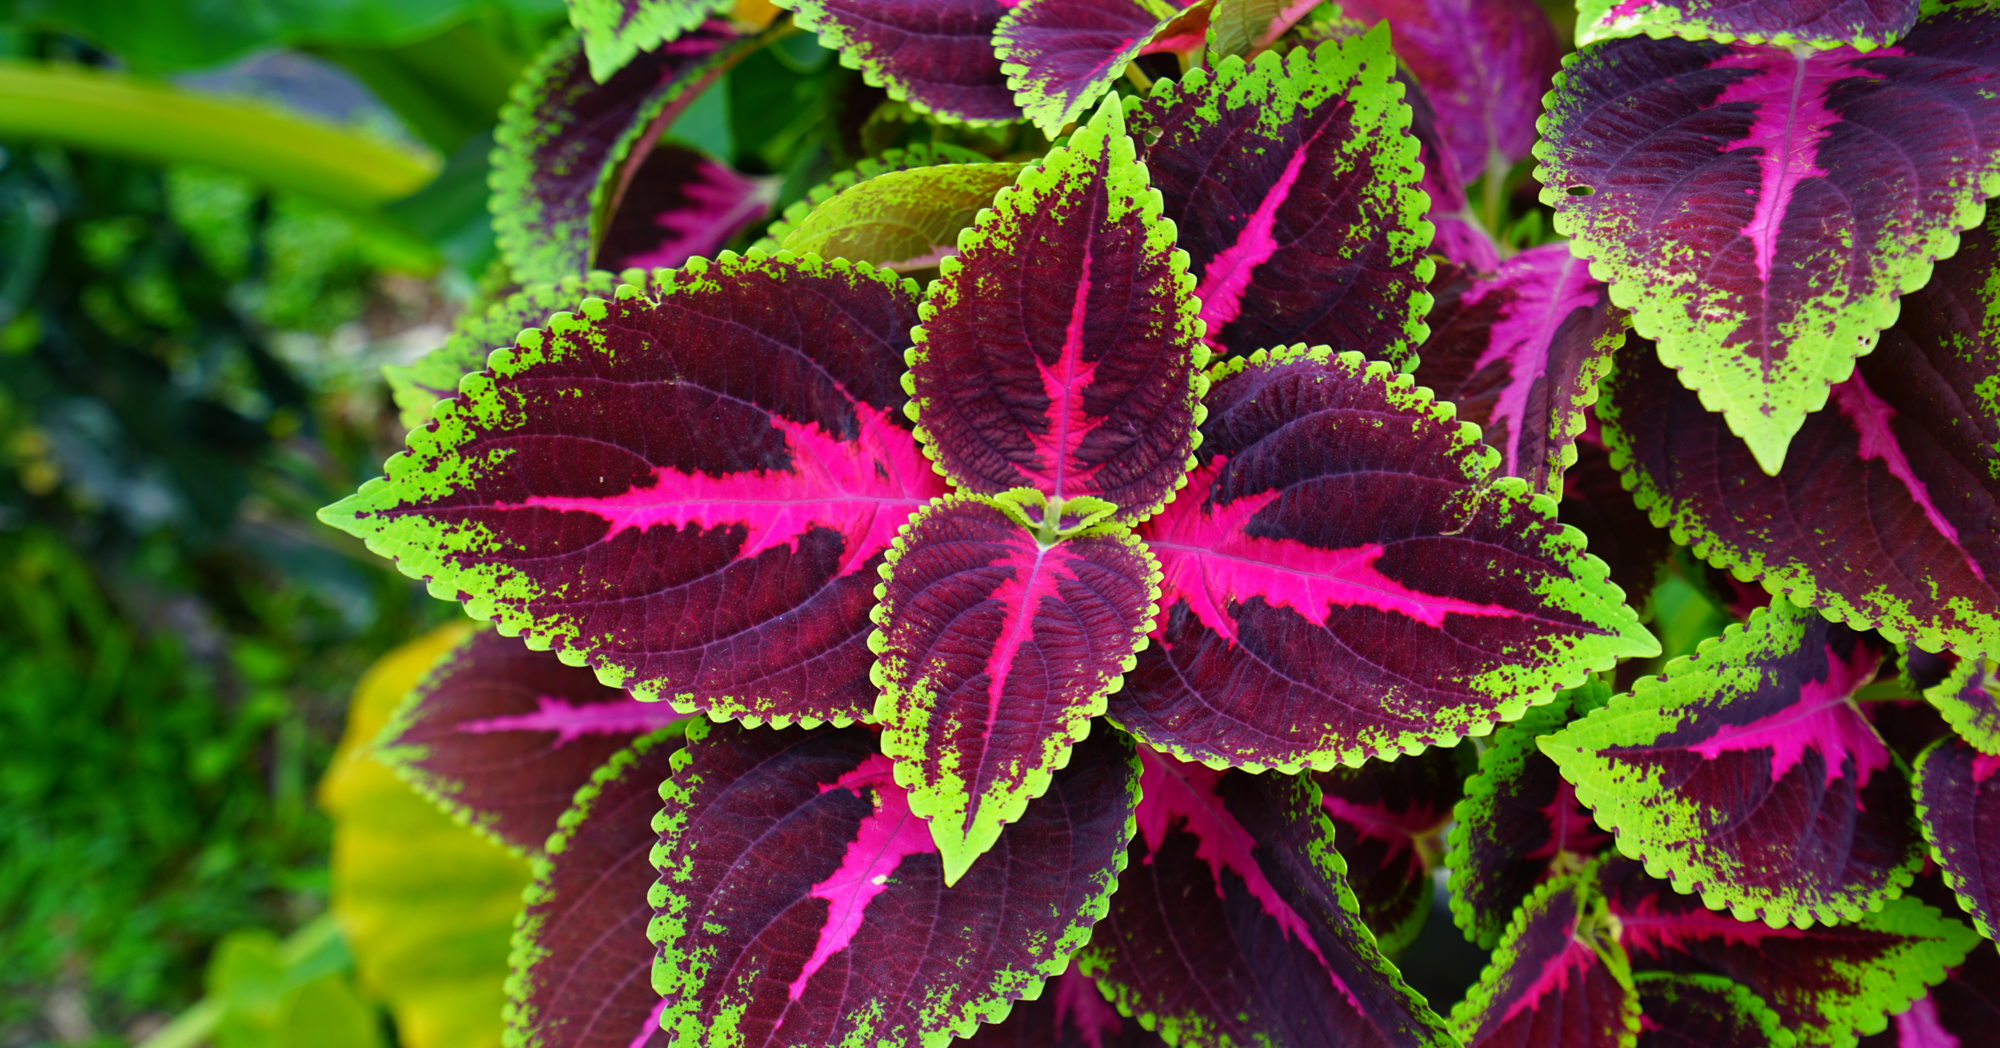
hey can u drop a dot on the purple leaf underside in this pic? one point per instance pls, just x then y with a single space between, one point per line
1557 980
994 654
1233 883
504 736
1061 56
936 55
1294 187
1484 65
1704 1011
1824 982
1521 353
1386 817
1790 198
582 963
1887 514
681 205
1060 351
1862 24
801 903
689 487
1749 774
1959 802
1341 579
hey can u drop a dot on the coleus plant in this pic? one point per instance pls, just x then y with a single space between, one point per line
1076 580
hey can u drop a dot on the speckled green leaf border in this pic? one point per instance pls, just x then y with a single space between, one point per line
527 951
1944 797
1594 22
1041 92
419 386
1966 717
1745 1008
430 466
615 30
1648 823
907 159
1595 928
1501 763
908 744
997 229
857 51
535 254
1007 987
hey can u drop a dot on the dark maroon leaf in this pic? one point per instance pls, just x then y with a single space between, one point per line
1294 190
1061 56
1825 982
800 903
1959 804
1558 979
1233 922
681 205
503 737
1595 502
582 973
1343 580
690 487
1704 1011
1070 1013
936 55
1520 353
1386 818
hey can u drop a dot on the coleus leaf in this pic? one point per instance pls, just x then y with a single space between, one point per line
1788 199
1747 773
564 139
1969 699
1960 1012
1520 353
503 737
419 386
1346 579
1959 805
1825 982
1060 349
681 205
1861 24
1520 823
1070 1013
1704 1011
1234 924
1061 56
1595 502
582 963
891 160
1889 516
1386 816
995 651
616 31
1484 65
936 55
1294 191
1558 979
1245 27
1460 238
801 903
901 220
626 485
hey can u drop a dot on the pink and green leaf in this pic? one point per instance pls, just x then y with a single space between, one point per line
1060 349
1387 817
581 961
1889 515
1760 210
1061 56
1969 699
1520 823
503 737
1484 65
1748 774
1294 187
936 55
994 652
1827 983
1860 24
688 488
681 205
1558 979
1960 1012
616 31
900 220
1345 579
1704 1011
1234 923
800 902
1958 801
419 386
1520 353
565 140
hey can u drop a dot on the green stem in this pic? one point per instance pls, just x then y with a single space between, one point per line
119 114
